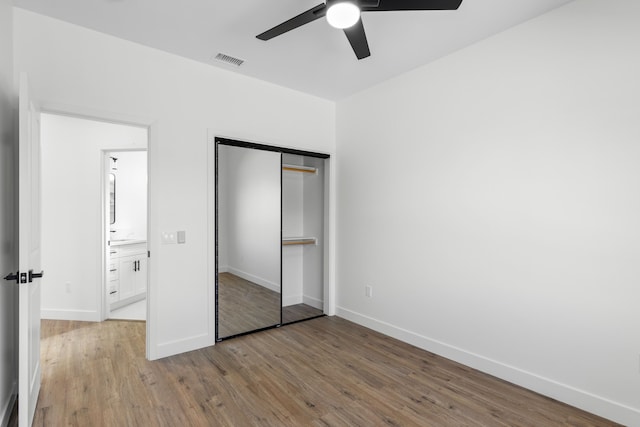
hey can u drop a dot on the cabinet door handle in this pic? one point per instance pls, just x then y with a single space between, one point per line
114 269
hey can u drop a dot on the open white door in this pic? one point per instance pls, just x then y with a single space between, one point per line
29 256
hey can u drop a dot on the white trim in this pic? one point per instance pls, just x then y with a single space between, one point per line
8 405
183 345
211 237
94 114
313 302
272 286
79 315
584 400
291 300
151 343
330 223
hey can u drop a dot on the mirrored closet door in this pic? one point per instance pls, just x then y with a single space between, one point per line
248 240
270 236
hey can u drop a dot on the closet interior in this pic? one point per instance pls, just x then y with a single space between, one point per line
271 234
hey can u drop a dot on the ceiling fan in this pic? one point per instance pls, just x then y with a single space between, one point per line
345 15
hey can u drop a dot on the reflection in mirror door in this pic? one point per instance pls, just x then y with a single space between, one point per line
112 198
302 237
248 239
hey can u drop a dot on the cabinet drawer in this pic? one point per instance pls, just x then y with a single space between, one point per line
113 271
113 293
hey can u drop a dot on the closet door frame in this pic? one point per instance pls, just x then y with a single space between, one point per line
263 147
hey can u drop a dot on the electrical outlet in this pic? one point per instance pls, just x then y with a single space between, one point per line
68 287
368 291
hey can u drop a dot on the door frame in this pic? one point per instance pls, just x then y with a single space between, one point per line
105 309
151 124
214 141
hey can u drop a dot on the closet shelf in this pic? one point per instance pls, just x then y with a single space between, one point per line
297 168
290 241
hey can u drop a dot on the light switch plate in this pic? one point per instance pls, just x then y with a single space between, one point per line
169 238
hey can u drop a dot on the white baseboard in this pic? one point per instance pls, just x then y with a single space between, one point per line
598 405
127 301
79 315
275 287
291 300
7 405
313 302
182 346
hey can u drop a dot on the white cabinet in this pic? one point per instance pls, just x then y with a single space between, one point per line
127 273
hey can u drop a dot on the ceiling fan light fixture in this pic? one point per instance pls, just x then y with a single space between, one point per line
342 14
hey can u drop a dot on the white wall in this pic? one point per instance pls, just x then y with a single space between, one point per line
491 201
72 225
131 194
250 187
8 187
75 68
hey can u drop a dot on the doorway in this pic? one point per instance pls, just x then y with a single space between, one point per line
73 211
125 228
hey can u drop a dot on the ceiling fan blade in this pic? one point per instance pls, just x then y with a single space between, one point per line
389 5
304 18
358 40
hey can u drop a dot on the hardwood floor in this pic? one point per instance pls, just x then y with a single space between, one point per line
297 312
323 372
244 306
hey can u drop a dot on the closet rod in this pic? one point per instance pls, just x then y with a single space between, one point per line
299 241
296 168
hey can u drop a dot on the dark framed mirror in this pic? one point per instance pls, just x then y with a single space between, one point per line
248 239
270 234
112 198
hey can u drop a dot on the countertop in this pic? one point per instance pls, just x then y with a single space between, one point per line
126 242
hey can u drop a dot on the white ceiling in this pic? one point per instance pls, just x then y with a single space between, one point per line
316 58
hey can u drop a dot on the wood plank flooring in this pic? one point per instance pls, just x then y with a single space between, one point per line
245 306
323 372
297 312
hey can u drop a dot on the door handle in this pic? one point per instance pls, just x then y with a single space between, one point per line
33 275
12 276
